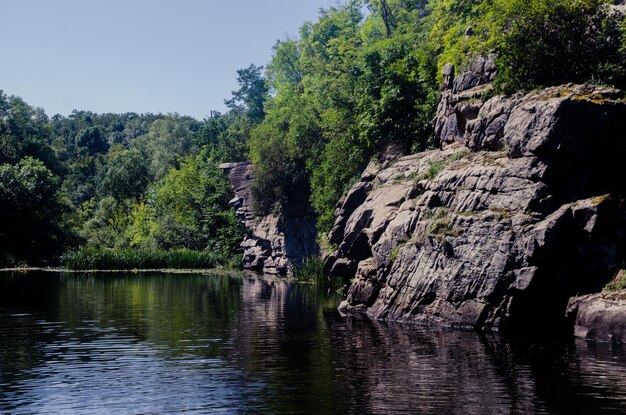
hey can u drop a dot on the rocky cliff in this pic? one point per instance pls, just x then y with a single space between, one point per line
276 242
520 209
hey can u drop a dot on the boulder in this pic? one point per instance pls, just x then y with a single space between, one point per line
599 317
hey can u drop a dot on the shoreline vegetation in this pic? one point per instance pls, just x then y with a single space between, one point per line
218 270
143 259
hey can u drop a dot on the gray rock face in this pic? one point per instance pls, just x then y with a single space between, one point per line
274 243
599 317
521 209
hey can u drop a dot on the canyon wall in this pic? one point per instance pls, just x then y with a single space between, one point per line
276 242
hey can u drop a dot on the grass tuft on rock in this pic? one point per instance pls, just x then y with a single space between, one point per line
618 283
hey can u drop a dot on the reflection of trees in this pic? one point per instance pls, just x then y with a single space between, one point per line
170 311
173 311
24 299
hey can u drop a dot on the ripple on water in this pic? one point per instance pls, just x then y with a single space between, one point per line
220 344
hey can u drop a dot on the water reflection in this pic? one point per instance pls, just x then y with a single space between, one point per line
233 344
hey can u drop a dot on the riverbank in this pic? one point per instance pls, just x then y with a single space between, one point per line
220 271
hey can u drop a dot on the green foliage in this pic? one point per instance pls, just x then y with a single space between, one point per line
191 207
435 168
537 42
311 272
341 94
167 139
339 167
548 43
127 173
30 223
441 224
126 180
251 95
142 227
129 259
226 136
24 132
618 283
91 141
104 222
393 256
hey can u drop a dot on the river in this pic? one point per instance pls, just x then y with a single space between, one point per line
215 343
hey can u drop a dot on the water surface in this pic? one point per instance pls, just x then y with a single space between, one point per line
169 344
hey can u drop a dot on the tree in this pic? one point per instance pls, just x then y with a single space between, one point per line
91 141
83 178
105 223
31 219
386 14
251 95
127 174
285 69
24 132
167 140
542 43
191 207
225 136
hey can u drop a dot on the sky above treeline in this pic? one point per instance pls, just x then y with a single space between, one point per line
139 55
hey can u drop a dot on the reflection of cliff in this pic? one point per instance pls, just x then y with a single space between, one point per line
400 370
276 241
281 341
393 369
311 360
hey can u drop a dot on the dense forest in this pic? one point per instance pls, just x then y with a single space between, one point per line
362 80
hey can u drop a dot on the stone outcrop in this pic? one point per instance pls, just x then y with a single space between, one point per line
521 208
276 242
599 317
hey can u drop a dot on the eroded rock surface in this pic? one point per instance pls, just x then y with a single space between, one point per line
521 209
274 243
599 317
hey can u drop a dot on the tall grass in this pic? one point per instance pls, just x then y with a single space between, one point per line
311 271
127 259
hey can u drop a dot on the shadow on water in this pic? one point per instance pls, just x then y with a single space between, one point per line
238 344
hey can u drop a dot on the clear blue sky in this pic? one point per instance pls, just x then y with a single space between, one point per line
139 55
